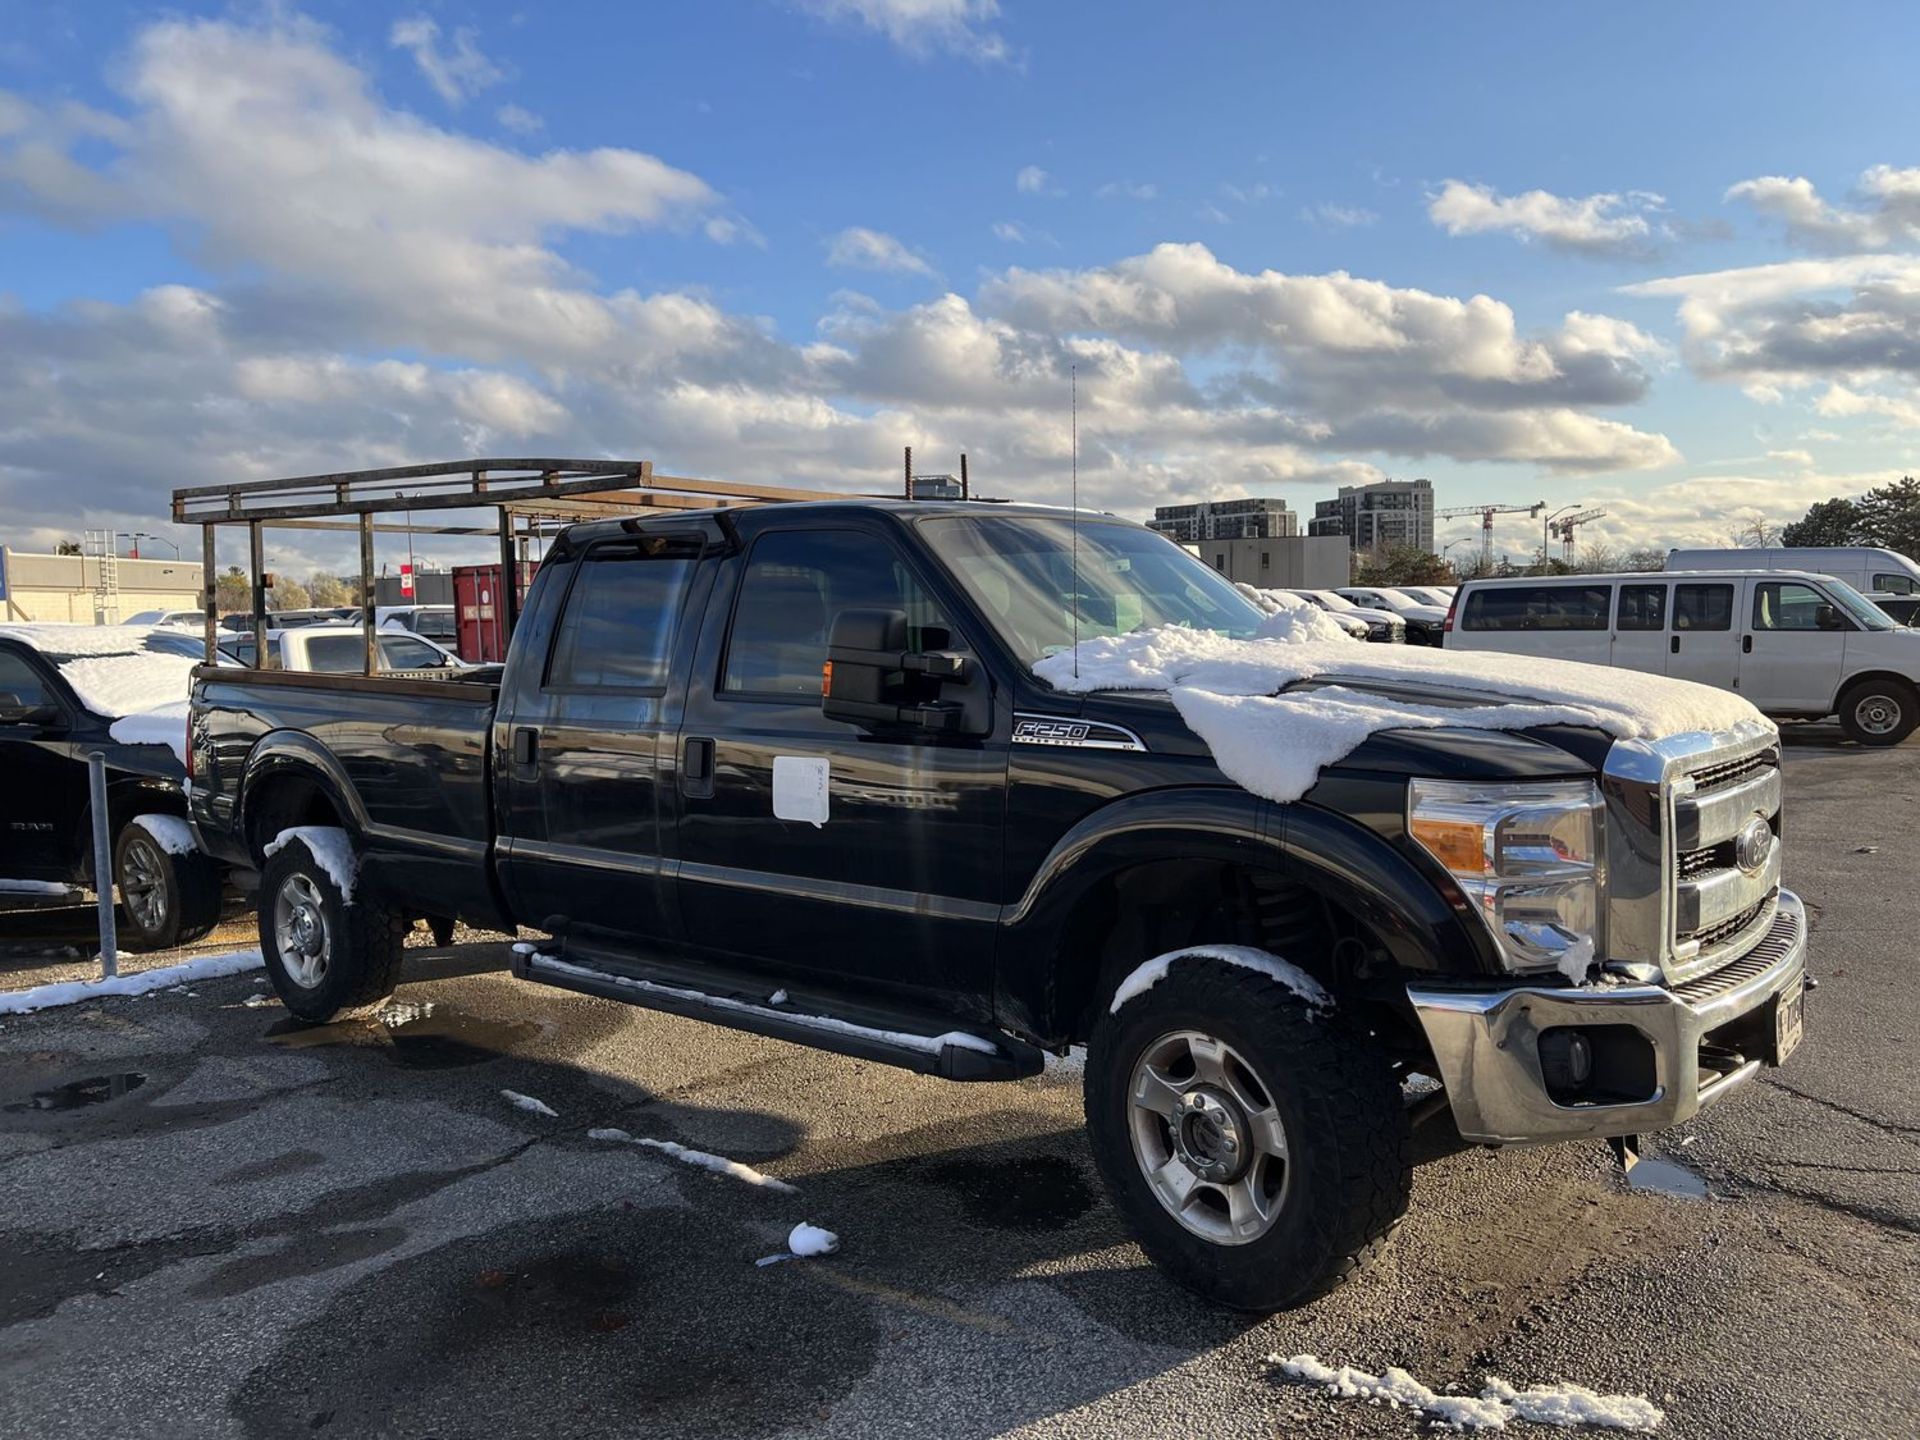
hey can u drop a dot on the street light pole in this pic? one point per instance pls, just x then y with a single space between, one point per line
146 535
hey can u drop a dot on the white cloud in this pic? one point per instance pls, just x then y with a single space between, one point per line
1329 216
1032 180
1838 401
1597 225
1009 231
1127 190
1890 218
520 120
858 248
457 73
921 27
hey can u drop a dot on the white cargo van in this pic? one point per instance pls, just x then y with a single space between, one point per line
1798 645
1870 571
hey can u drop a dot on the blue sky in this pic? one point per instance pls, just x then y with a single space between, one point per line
1285 247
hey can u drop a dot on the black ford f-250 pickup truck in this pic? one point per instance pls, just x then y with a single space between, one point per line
803 749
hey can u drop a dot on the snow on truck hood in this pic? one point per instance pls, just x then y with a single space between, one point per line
1274 741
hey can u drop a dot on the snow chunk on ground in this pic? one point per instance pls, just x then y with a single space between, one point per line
1155 970
1274 744
167 977
35 887
778 997
804 1240
529 1104
1496 1404
718 1164
169 832
331 849
163 725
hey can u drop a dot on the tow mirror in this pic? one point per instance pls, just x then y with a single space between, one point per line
872 679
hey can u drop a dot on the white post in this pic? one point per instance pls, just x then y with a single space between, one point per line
103 864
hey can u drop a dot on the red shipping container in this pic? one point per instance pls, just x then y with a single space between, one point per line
481 637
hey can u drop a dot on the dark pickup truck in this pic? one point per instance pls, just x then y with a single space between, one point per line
790 769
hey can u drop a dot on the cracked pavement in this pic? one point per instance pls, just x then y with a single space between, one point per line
350 1232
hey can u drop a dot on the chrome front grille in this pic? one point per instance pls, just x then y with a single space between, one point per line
1679 896
1779 939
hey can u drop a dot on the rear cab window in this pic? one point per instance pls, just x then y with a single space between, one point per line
1538 607
620 615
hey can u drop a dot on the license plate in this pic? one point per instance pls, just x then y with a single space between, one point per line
1789 1024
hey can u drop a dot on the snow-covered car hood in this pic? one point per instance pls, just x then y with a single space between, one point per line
1276 711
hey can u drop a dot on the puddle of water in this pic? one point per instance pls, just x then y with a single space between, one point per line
1663 1177
94 1090
1039 1192
416 1035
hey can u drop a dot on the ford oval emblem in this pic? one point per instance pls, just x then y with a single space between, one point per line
1753 845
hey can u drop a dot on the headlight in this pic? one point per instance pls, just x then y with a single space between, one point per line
1531 857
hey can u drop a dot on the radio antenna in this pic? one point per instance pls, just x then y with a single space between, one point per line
1073 412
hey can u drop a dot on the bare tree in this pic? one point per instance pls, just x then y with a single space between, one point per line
1597 558
1755 535
1644 559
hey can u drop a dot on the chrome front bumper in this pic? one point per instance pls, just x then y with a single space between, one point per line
1487 1043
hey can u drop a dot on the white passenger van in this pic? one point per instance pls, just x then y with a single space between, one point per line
1798 645
1870 571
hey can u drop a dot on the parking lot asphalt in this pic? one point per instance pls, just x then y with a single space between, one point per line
351 1231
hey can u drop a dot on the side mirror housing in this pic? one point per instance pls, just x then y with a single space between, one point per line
871 679
1827 617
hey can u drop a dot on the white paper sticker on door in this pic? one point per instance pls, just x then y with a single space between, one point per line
800 789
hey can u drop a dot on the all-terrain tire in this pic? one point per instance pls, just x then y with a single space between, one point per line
1879 712
362 940
1348 1174
166 899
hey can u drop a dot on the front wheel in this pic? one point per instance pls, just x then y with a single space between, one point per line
327 953
1878 712
1256 1144
169 892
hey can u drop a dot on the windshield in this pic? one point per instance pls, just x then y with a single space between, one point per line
1425 595
1020 571
1333 600
1862 611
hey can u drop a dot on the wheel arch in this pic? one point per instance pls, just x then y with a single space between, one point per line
291 779
1891 677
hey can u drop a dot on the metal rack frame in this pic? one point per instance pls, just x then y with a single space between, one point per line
527 493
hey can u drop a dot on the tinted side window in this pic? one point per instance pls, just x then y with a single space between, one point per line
1784 605
1643 607
337 654
22 681
399 653
1895 584
1703 607
796 582
617 629
1538 607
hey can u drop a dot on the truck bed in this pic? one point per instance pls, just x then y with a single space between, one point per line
406 754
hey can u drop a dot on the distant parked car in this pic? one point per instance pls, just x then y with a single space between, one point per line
1798 645
68 690
1383 626
1901 609
436 622
166 617
340 649
1868 569
1425 623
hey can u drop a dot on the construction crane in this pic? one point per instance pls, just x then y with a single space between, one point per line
1565 527
1486 514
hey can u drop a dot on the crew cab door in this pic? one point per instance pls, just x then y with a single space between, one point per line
1790 660
46 786
1701 645
813 847
584 738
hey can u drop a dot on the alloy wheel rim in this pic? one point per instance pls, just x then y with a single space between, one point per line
1877 714
300 931
1208 1137
143 886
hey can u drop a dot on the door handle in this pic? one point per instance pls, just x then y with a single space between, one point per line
696 770
1746 644
1673 645
526 745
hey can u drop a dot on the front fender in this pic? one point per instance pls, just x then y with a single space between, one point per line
1351 866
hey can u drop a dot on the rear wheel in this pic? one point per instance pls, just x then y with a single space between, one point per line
1257 1147
327 955
167 898
1878 712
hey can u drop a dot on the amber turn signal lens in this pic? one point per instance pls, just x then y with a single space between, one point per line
1459 845
826 677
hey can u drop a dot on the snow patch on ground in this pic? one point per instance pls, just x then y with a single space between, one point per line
1493 1408
163 725
35 887
529 1104
926 1044
167 977
804 1240
718 1164
1275 744
1146 976
169 832
331 849
778 997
